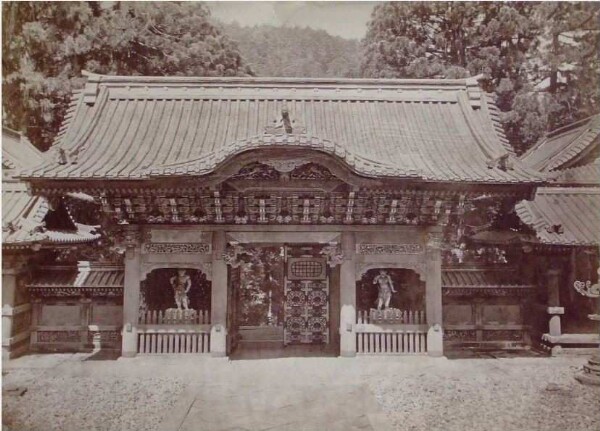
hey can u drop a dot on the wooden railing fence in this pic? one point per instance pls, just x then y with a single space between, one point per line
397 332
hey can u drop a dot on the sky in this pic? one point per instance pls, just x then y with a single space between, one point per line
344 18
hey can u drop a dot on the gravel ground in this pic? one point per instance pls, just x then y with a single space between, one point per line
415 393
505 394
78 403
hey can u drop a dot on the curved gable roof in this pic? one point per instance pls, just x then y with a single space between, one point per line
139 127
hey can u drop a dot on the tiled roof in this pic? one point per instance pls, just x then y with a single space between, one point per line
140 127
564 216
70 281
23 214
586 175
563 147
18 153
481 278
23 220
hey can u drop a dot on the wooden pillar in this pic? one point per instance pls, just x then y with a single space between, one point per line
85 314
131 301
218 332
554 309
433 293
348 296
15 313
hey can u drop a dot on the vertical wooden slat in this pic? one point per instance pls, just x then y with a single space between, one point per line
395 343
176 343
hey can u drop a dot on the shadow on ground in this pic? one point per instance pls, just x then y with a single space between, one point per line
493 354
104 355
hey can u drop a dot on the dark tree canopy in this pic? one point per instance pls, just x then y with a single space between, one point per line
46 45
541 59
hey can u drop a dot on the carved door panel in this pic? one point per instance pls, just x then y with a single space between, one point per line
306 301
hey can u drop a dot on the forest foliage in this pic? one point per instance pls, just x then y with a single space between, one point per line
46 45
294 51
541 60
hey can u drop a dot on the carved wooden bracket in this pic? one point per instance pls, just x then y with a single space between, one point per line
333 253
233 252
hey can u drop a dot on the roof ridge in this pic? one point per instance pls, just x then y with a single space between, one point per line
567 127
106 79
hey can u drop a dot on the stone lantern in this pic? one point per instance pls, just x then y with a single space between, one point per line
591 370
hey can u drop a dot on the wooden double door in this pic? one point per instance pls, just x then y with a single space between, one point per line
280 296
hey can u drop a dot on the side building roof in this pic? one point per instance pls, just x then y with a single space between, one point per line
568 213
123 128
564 147
23 215
564 216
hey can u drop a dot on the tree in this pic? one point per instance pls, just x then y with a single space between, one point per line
507 43
563 70
46 45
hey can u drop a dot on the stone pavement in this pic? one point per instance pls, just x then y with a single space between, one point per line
276 395
287 394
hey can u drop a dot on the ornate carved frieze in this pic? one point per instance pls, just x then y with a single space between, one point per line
488 291
311 171
289 205
74 292
503 335
460 335
257 171
174 248
375 249
58 336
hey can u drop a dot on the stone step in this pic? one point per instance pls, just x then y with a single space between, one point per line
266 333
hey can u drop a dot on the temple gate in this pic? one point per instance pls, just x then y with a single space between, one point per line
374 178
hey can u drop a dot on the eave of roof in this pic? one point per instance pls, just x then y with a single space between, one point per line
17 152
585 175
562 147
564 216
144 127
482 278
23 221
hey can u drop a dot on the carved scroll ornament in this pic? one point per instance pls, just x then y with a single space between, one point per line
375 249
172 248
